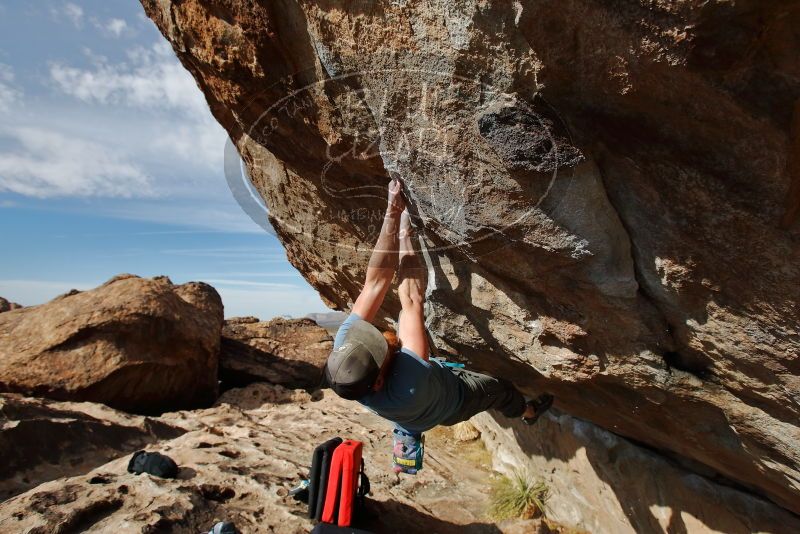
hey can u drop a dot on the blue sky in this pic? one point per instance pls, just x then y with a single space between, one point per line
110 162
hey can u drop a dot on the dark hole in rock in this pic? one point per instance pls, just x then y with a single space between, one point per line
693 366
100 479
83 519
261 478
123 489
216 493
229 454
164 524
525 139
203 445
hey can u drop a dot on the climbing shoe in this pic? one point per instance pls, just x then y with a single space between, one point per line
542 403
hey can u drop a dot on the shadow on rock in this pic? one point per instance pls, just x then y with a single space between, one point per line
669 498
390 517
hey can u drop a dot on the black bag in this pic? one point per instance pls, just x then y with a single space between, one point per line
327 528
318 477
153 463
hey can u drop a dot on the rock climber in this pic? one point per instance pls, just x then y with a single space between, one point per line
393 374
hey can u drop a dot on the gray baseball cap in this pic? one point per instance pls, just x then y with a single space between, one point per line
352 367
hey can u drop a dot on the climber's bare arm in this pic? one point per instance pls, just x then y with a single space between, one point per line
384 260
411 328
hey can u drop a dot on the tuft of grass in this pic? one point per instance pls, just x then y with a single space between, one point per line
516 497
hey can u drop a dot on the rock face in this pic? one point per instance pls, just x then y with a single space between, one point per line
289 352
5 305
601 483
41 440
608 192
239 459
136 344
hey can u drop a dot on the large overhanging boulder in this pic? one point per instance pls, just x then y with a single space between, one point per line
608 192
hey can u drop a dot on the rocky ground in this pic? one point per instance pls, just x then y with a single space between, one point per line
237 461
65 449
64 459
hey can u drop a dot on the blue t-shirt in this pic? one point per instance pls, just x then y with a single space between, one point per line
417 395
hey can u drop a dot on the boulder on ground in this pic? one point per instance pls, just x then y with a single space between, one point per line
41 440
290 352
465 431
6 305
136 344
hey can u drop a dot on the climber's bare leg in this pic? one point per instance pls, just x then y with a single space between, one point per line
411 323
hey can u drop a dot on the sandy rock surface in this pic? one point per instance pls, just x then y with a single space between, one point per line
42 440
239 458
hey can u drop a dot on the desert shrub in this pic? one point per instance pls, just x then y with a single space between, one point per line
518 496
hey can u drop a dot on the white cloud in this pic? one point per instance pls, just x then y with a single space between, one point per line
113 27
74 13
9 95
42 163
116 26
227 252
152 78
201 142
220 217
